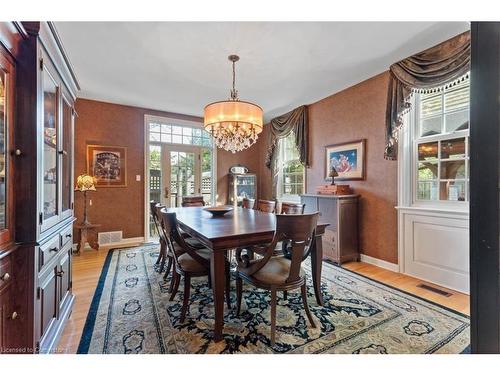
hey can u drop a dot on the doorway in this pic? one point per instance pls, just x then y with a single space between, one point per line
180 161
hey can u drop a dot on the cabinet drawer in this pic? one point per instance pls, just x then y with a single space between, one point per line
66 235
5 272
47 251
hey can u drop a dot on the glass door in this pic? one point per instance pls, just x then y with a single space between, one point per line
66 153
49 162
181 173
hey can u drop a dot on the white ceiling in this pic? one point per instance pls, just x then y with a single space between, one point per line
182 66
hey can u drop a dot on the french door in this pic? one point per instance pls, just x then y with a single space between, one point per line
181 173
177 171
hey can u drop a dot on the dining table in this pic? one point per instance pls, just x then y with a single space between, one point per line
241 227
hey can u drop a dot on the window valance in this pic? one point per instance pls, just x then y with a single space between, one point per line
440 66
297 121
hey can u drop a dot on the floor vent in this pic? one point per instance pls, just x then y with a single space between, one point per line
105 238
434 290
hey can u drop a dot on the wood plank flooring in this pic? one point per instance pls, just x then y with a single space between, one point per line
87 269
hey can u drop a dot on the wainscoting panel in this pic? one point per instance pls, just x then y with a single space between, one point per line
436 247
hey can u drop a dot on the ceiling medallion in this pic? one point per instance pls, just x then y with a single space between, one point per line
233 124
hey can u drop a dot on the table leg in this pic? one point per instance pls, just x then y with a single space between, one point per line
92 239
316 265
82 238
218 277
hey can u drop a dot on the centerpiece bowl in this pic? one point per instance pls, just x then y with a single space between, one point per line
219 210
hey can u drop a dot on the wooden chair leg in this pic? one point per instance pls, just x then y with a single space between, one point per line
172 280
273 316
169 266
185 302
227 270
162 264
161 255
176 286
239 292
303 290
285 295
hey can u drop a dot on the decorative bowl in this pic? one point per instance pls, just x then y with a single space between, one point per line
219 210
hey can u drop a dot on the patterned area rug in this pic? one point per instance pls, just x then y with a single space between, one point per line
130 313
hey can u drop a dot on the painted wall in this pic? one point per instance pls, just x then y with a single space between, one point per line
117 125
355 113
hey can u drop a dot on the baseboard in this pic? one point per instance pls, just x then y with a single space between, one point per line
122 243
380 263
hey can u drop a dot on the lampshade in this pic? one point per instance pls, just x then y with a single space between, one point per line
233 124
333 173
84 182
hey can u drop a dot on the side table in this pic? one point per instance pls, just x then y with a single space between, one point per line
87 233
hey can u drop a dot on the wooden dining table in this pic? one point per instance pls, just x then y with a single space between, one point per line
239 228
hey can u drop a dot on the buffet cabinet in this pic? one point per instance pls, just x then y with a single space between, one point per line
36 299
340 241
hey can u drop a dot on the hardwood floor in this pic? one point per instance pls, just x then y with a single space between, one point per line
87 269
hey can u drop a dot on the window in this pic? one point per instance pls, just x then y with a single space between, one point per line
290 171
184 135
441 144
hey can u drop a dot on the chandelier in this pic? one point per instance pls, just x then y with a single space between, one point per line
233 124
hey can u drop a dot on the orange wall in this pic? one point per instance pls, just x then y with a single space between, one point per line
118 125
355 113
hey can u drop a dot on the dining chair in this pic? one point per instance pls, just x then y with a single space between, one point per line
280 273
165 253
248 203
292 208
265 206
192 201
189 262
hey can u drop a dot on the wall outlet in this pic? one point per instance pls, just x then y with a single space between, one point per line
138 177
90 202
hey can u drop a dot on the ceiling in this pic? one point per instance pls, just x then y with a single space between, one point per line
182 66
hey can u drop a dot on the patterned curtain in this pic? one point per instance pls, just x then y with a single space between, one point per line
431 70
295 121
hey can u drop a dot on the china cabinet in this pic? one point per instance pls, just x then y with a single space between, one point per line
241 185
37 94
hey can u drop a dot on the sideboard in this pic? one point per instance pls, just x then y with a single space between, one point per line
340 241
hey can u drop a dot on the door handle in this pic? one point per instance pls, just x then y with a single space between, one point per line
166 192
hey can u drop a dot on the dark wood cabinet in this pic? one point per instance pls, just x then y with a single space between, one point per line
340 241
37 94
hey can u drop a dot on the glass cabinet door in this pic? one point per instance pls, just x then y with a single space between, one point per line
50 147
3 151
66 155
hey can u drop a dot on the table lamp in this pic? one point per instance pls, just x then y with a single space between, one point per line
333 174
85 183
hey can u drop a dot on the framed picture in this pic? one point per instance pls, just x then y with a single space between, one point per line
108 164
348 159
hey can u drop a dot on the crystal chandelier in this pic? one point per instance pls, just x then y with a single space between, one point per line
233 124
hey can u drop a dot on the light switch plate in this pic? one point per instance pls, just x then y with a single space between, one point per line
138 177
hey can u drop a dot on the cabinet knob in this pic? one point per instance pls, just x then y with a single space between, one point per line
14 315
18 152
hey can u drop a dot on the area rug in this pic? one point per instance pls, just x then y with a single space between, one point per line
130 313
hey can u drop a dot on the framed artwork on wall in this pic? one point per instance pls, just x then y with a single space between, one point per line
348 159
108 164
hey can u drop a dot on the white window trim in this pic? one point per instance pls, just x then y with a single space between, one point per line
292 198
178 122
407 165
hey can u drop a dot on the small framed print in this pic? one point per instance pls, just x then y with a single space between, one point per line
348 159
108 164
